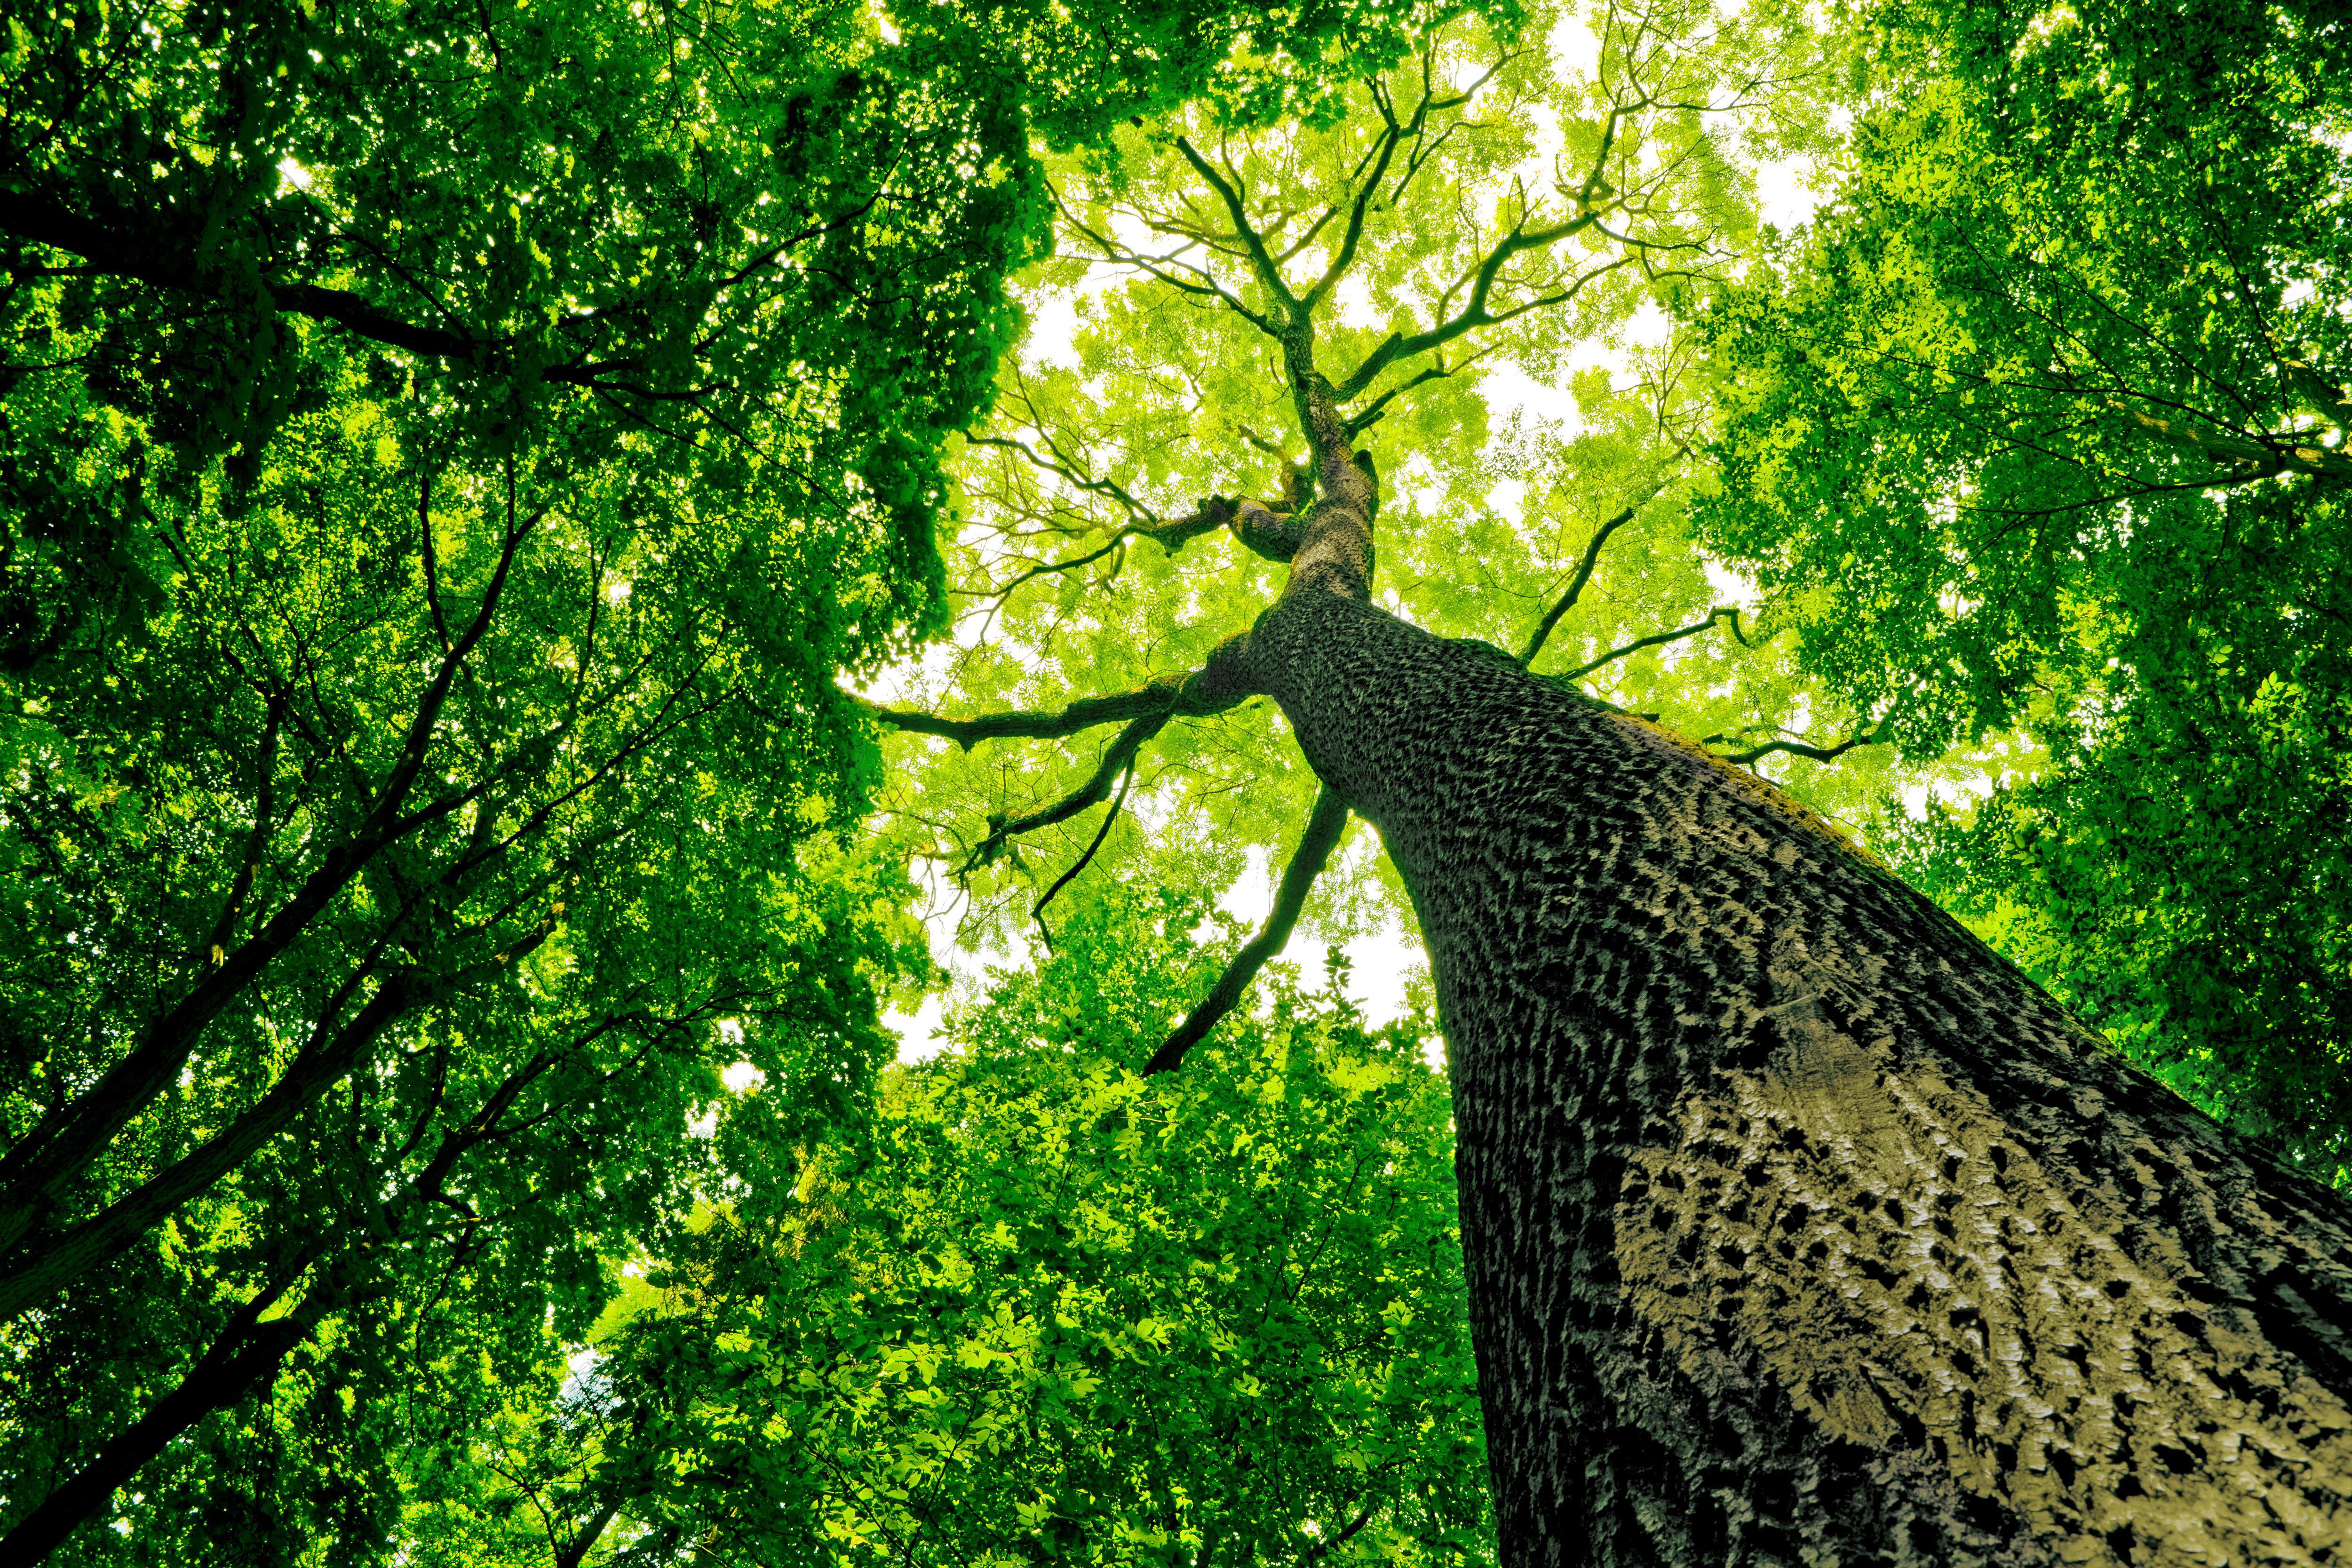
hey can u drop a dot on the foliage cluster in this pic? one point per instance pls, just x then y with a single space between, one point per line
2040 424
1042 1309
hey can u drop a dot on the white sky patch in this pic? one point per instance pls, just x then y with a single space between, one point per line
1964 791
919 1032
1509 497
1576 46
1354 297
1507 390
1784 196
293 175
1731 587
1053 329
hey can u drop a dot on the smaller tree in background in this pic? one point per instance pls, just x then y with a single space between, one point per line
1039 1306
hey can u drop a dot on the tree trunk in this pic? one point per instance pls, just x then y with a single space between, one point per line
246 1353
1800 1227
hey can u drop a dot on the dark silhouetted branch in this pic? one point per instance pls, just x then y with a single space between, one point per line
1658 639
1037 911
1868 735
1159 699
1576 586
1171 536
246 1353
1307 863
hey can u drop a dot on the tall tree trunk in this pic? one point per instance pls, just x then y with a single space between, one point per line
246 1353
1802 1228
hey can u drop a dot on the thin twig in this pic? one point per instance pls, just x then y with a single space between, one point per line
1037 911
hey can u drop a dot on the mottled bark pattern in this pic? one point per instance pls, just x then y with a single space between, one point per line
1800 1227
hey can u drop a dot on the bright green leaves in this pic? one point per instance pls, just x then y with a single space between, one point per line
1047 1310
2025 432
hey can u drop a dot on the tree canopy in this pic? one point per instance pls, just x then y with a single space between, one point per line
2042 423
460 468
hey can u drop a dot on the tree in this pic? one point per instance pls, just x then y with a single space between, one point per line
1040 1306
448 455
1799 1225
2044 420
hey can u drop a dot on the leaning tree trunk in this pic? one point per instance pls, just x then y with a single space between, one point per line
1800 1227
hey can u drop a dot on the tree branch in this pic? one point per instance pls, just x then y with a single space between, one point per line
109 251
1307 862
247 1352
1373 412
1675 635
1868 735
1210 515
1118 758
1576 586
1037 911
1158 698
36 1174
1268 274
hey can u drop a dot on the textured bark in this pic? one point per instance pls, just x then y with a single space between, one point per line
1800 1227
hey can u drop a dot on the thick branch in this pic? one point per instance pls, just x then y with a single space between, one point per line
1375 411
2323 397
36 1173
1473 313
1307 863
1268 274
1210 515
1274 535
2256 456
1159 699
247 1352
1868 735
62 1258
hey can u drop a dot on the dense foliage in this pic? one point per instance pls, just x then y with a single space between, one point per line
2041 426
448 456
1041 1309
